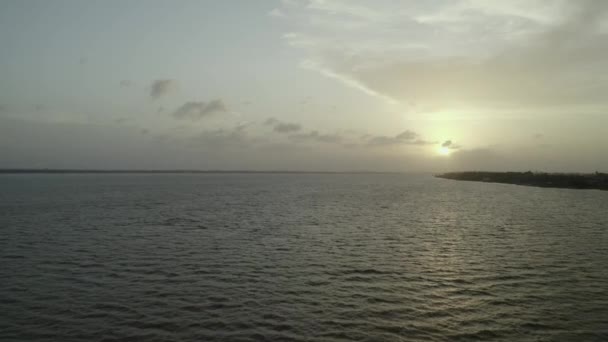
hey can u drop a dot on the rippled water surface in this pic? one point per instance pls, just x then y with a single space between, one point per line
299 257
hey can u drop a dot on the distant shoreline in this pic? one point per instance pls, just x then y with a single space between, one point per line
597 181
97 171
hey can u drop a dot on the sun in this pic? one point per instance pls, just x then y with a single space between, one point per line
444 151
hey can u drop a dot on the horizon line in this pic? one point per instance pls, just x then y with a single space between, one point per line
159 171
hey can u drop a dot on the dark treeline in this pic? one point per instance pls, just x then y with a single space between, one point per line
596 180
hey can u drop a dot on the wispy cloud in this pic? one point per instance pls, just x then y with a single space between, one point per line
347 80
460 54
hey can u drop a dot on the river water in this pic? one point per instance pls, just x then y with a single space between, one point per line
299 257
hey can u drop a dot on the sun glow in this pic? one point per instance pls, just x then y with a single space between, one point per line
444 151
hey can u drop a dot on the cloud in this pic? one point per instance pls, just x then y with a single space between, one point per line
235 137
405 138
126 83
287 127
349 81
160 88
315 136
406 135
83 60
449 144
196 110
461 54
282 127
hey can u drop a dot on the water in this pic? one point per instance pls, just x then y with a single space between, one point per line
299 257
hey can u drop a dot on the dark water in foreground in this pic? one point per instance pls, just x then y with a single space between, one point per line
296 257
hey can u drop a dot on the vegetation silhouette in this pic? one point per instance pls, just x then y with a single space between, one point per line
595 180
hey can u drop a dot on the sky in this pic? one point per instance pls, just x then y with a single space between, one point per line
345 85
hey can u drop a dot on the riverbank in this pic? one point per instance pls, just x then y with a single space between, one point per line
547 180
